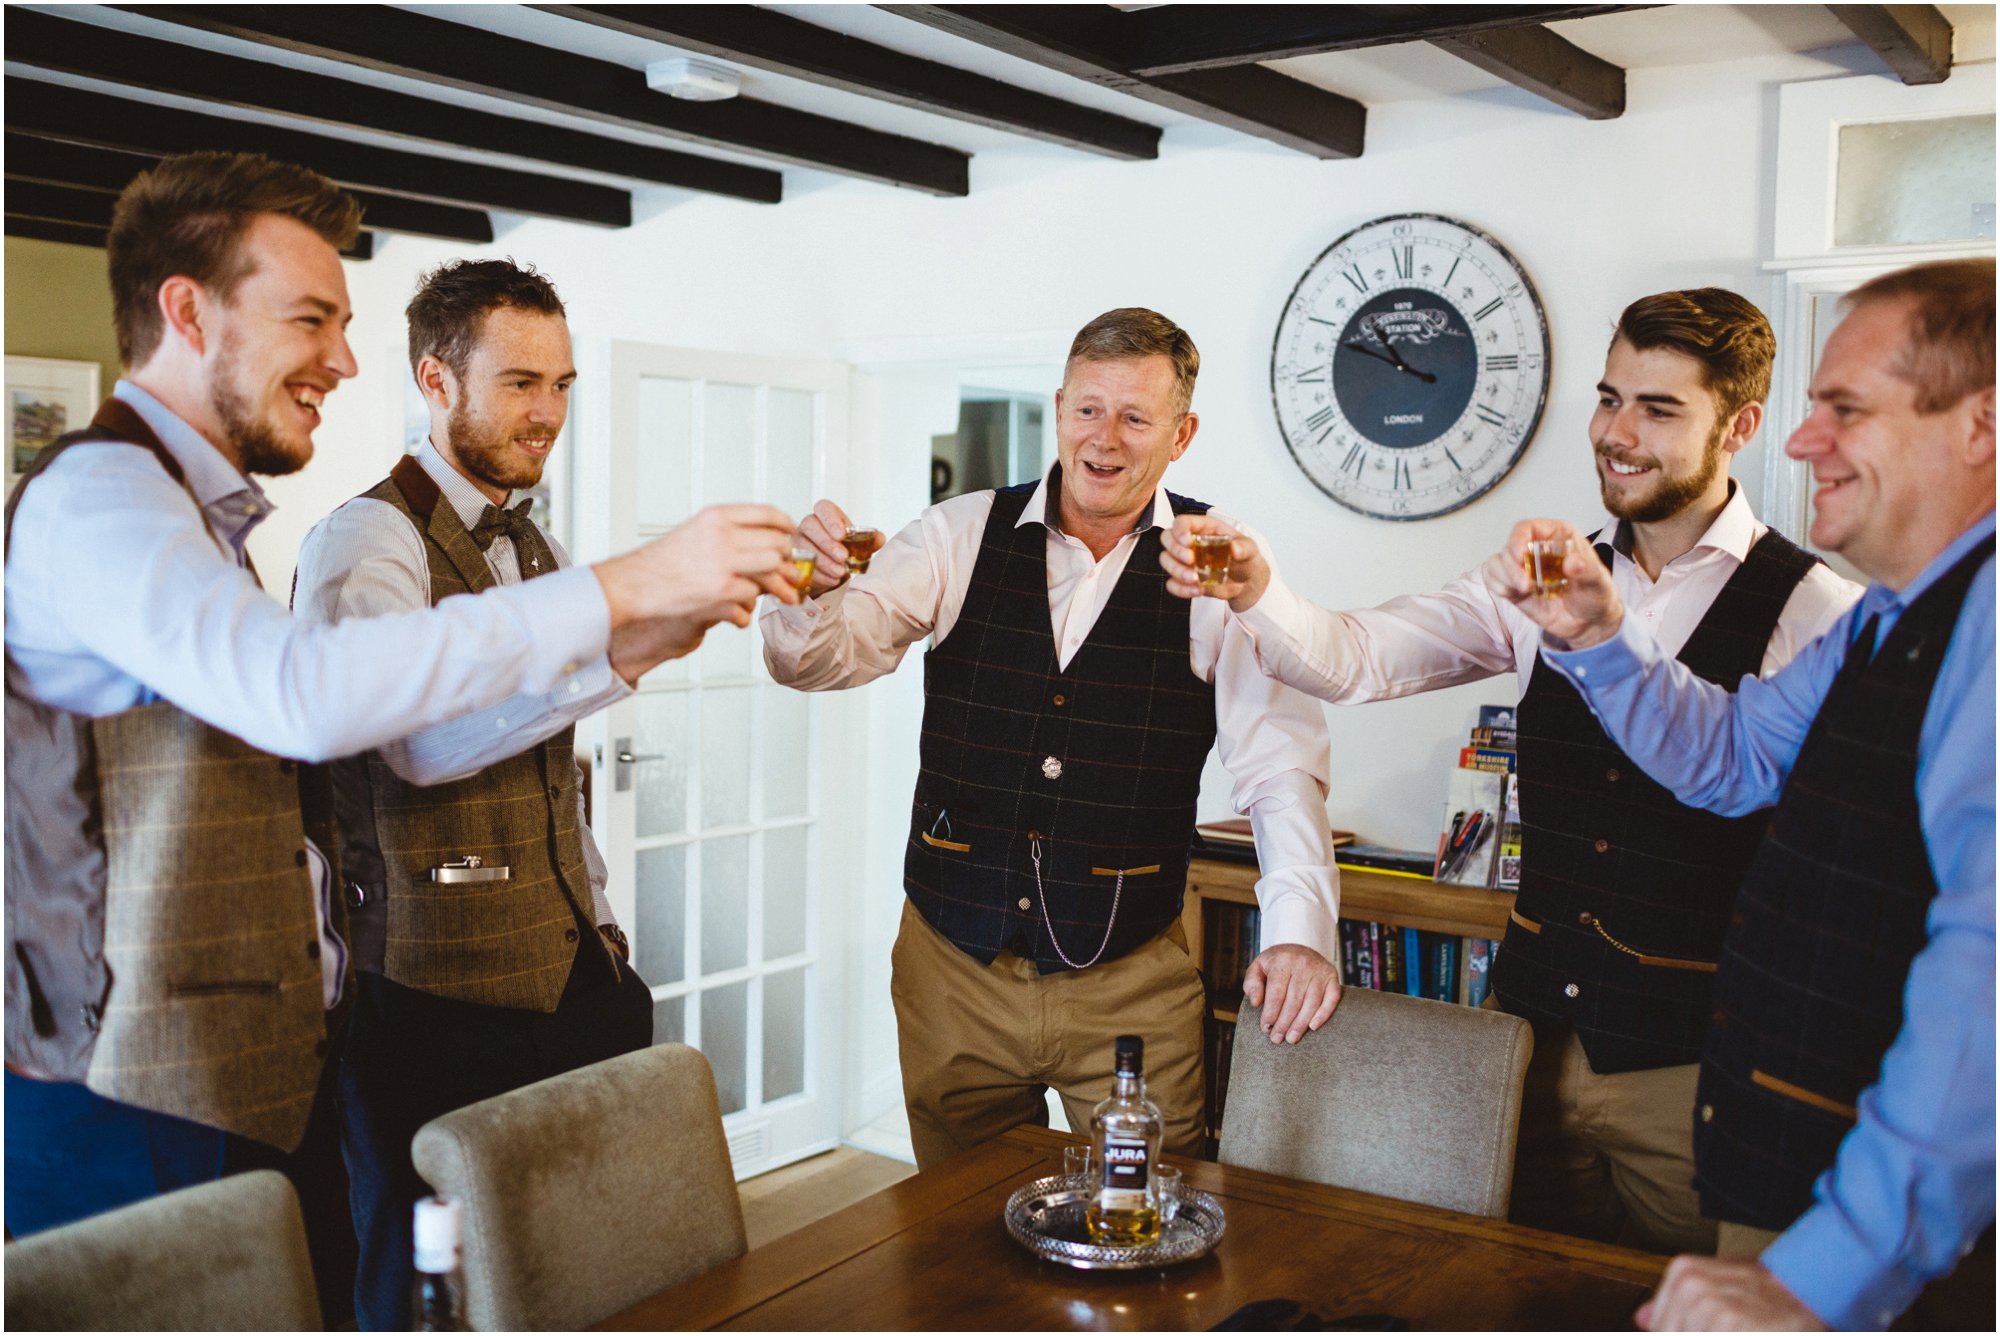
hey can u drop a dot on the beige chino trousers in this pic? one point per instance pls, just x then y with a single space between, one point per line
981 1044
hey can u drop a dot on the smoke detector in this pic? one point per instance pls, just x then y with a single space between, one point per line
693 80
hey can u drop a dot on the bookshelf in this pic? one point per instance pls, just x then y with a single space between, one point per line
1365 896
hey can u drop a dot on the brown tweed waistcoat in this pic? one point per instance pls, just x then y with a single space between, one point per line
503 943
161 944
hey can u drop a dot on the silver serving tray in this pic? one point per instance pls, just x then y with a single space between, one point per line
1046 1218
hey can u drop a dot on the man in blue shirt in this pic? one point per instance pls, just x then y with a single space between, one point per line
1845 1122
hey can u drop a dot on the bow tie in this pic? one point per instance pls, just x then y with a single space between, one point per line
493 521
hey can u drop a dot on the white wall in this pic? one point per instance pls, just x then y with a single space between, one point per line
1673 194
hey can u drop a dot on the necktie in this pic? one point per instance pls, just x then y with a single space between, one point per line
515 524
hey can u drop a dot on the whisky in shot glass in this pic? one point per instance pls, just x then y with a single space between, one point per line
1544 560
860 545
1211 557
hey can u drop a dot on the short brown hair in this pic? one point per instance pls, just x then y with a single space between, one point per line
1718 328
1948 347
1134 331
452 301
186 215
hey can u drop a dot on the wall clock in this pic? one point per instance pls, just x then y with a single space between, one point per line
1410 366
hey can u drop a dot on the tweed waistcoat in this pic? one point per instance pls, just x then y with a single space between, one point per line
501 943
1093 769
1832 912
161 942
1625 891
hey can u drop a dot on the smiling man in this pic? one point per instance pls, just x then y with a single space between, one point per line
1844 1125
1625 892
1070 705
515 971
173 948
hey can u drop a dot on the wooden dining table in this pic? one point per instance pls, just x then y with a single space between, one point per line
933 1252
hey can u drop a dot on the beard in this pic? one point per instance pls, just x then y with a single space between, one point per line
1670 495
257 445
487 454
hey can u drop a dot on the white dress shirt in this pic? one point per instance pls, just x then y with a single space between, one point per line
1463 634
366 559
1272 740
118 596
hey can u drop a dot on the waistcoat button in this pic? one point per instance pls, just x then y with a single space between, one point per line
1051 768
1601 845
1612 774
299 858
286 767
312 950
1061 699
1708 1113
1571 990
570 936
1585 919
1025 902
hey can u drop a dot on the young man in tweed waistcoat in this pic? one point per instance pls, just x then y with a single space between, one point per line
1844 1131
1069 707
1625 892
466 989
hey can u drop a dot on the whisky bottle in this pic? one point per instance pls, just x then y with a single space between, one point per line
438 1299
1125 1137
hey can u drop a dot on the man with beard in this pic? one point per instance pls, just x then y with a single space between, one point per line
1625 893
514 970
172 948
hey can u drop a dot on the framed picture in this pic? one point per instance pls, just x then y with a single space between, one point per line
46 398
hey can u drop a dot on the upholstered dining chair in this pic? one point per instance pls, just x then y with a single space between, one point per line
587 1192
1397 1096
225 1256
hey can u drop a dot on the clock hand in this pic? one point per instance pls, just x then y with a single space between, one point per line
1392 358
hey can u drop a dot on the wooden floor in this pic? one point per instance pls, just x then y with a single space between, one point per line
783 1200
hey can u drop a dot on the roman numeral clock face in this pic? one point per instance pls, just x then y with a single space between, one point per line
1410 367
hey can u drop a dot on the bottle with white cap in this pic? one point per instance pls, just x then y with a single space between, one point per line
438 1301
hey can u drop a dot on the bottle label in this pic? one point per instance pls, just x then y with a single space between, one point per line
1124 1167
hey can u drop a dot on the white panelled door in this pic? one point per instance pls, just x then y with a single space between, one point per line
721 825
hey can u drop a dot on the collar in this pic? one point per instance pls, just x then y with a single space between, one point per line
233 503
1881 598
1041 509
1734 530
466 499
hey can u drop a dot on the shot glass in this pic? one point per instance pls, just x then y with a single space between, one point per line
1076 1162
860 545
1211 557
804 559
1166 1191
1544 560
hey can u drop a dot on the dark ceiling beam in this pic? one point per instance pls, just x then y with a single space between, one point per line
457 55
68 47
108 171
1174 39
1547 65
91 234
747 35
73 234
1915 40
51 111
1075 39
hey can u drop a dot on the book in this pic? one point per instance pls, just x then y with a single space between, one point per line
1236 832
1469 839
1503 738
1381 858
1497 716
1443 967
1479 954
1377 973
1507 876
1487 758
1413 962
1392 958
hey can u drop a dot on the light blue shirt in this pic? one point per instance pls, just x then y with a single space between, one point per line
366 559
121 592
1913 1185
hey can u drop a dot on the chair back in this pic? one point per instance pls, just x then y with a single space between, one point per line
589 1191
1394 1095
224 1256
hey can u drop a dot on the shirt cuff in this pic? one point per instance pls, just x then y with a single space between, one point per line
1623 655
1831 1270
1295 905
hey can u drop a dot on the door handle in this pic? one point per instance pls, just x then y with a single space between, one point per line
626 758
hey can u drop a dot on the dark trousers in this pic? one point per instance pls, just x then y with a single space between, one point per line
412 1056
71 1154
